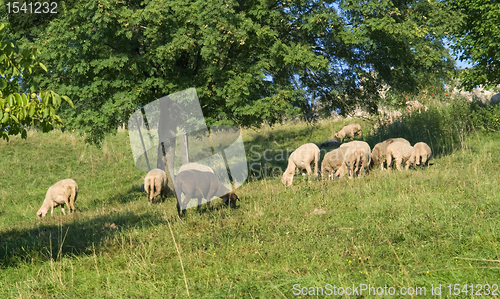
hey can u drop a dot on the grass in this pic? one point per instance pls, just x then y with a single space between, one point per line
401 229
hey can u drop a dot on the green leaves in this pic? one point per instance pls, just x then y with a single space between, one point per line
478 40
17 108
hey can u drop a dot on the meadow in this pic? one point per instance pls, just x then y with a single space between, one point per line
418 228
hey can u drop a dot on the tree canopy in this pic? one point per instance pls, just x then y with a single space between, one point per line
22 103
250 61
478 40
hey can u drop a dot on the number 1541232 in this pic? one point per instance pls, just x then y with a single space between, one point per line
31 7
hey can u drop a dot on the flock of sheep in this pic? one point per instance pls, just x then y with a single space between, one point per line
355 156
193 180
199 181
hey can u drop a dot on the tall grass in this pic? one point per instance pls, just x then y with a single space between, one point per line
401 229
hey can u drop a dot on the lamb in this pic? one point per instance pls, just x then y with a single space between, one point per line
332 162
200 184
61 193
301 158
349 131
356 158
155 183
421 153
378 155
400 152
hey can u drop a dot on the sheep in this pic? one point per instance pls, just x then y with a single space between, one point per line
378 155
155 183
200 184
195 166
61 193
332 162
301 158
400 152
495 99
349 131
356 158
421 153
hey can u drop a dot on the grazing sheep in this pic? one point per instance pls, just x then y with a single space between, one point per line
379 151
400 152
195 166
349 131
301 158
356 158
495 99
61 193
200 184
421 153
332 161
155 183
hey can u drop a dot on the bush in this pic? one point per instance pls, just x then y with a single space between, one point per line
443 127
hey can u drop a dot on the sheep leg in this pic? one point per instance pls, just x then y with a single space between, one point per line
316 161
398 162
389 161
72 199
308 169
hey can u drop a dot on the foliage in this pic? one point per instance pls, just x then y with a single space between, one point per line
478 40
250 61
19 106
444 126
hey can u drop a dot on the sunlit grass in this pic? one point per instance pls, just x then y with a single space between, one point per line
413 228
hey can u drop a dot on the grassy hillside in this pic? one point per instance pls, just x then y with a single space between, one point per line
401 229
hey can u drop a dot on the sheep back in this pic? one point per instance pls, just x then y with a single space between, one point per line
155 183
357 157
301 158
195 166
399 152
200 184
349 131
379 152
421 153
332 161
59 194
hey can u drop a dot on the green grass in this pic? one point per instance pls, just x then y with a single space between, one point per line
413 228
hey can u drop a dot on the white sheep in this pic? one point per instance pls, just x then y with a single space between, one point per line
378 155
61 193
349 131
201 184
400 152
155 183
332 161
356 158
421 154
301 158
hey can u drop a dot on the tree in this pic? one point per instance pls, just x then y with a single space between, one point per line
478 40
250 61
29 106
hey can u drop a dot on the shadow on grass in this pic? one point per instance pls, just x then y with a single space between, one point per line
75 236
133 194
